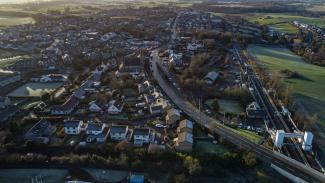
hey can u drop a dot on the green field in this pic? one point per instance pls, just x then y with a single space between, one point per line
12 21
310 91
34 89
282 22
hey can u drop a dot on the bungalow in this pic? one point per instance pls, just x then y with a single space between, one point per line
141 136
185 126
184 142
66 108
4 102
173 115
115 107
72 127
97 132
40 132
119 132
211 77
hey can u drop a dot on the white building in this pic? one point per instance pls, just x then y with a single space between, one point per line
141 136
72 127
119 132
97 132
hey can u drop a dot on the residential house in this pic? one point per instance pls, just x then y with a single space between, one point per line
173 115
184 142
72 127
97 132
40 132
253 110
94 107
141 136
66 108
4 102
119 132
7 78
185 126
211 77
144 87
156 109
115 107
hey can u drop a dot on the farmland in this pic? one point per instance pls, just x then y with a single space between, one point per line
282 22
309 91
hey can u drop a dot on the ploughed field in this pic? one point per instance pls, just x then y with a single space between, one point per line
309 88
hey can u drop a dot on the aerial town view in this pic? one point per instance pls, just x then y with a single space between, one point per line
162 91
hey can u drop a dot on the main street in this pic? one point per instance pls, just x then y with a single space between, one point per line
215 127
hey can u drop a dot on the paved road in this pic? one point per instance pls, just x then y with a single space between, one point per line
294 167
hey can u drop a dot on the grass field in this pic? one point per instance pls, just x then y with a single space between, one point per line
249 135
34 89
230 106
12 21
310 91
283 22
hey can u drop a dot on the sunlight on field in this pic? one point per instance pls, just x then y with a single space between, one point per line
310 92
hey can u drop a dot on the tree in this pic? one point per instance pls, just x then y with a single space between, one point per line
215 105
193 165
249 159
14 127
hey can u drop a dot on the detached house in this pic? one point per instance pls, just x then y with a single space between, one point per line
253 110
97 132
141 136
72 127
119 132
115 107
40 132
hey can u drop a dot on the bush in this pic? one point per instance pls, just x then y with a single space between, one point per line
215 105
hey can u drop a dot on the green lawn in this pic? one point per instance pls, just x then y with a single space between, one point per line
249 135
232 106
205 146
310 91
